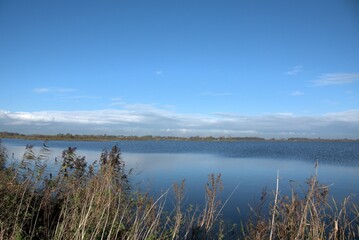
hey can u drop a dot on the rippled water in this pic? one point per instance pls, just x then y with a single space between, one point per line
250 165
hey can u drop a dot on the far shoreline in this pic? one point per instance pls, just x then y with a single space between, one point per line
106 138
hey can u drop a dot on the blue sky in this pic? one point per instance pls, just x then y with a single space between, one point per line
184 68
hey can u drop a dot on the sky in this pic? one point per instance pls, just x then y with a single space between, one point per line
279 69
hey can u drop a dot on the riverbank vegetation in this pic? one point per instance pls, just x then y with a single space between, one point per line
78 137
98 201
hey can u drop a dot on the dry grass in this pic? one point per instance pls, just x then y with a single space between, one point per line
81 203
310 217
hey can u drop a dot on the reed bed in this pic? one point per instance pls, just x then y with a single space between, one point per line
97 201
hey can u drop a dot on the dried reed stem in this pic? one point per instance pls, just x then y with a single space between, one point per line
274 207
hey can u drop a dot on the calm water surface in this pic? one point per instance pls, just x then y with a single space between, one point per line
250 165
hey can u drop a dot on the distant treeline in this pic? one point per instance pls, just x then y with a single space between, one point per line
105 137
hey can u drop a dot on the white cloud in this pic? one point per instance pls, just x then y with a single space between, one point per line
336 79
41 90
329 102
159 72
143 119
346 116
53 90
117 102
297 93
295 70
77 97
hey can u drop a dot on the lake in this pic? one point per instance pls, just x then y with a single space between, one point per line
250 165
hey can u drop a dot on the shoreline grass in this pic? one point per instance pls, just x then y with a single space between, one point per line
97 201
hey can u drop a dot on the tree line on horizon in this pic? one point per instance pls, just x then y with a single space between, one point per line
105 137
